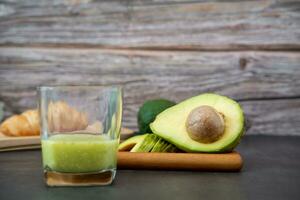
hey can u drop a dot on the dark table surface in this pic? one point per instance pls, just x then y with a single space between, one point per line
271 171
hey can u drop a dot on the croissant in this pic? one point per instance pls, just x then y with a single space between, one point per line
61 118
64 118
24 124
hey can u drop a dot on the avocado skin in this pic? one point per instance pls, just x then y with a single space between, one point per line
175 140
148 112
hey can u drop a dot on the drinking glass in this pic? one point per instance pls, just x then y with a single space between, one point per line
80 131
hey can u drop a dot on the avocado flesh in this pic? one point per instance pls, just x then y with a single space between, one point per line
154 143
147 143
130 143
158 145
163 146
170 124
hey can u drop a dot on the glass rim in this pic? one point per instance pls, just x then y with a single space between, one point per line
62 87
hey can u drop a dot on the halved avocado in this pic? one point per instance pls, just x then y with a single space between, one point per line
182 125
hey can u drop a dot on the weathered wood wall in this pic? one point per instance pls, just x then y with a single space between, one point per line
249 50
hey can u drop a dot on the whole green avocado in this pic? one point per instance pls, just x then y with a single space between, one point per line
148 112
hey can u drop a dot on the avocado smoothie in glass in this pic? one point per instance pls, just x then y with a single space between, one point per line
80 129
79 153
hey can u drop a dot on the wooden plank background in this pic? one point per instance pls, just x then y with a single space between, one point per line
248 50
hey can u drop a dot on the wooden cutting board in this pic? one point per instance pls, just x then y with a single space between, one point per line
154 161
19 143
33 142
181 161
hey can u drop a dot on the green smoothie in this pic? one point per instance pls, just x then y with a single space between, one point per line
79 153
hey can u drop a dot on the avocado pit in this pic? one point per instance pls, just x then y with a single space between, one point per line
204 124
